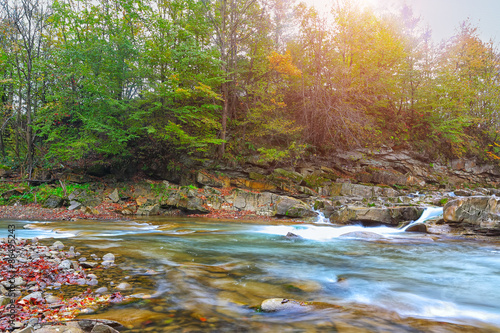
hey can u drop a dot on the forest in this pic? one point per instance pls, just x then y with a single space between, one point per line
121 82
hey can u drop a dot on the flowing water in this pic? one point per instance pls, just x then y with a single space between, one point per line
211 276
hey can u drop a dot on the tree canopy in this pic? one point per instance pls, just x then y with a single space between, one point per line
120 81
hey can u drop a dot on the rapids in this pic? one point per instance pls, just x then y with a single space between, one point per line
212 275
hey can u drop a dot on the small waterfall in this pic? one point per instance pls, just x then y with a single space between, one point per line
429 213
321 218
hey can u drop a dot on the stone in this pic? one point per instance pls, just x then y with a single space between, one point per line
114 196
419 227
392 215
17 191
292 175
147 210
58 245
69 327
101 328
482 212
291 235
53 201
280 304
52 299
89 264
74 205
124 286
28 329
362 235
108 257
291 207
101 290
65 264
36 295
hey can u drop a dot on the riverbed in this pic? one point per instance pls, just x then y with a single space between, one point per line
211 275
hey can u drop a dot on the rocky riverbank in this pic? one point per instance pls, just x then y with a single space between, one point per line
384 187
46 285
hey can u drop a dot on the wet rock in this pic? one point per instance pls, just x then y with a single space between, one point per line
108 257
363 235
101 290
419 227
69 327
101 328
89 264
124 286
291 235
280 304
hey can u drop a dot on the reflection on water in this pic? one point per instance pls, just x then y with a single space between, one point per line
212 275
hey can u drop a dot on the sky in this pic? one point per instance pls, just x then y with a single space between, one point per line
444 16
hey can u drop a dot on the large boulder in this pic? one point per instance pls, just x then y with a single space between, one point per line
483 212
392 215
291 207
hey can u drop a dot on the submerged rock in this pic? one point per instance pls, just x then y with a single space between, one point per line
280 304
362 234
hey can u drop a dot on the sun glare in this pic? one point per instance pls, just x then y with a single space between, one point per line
324 6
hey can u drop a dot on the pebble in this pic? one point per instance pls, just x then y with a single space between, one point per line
108 257
65 264
101 290
124 286
58 245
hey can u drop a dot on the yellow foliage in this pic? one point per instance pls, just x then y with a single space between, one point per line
282 63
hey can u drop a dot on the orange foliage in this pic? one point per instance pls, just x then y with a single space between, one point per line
282 63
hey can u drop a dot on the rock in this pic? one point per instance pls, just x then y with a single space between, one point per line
291 175
74 205
363 235
101 290
108 257
280 304
114 196
52 299
36 295
148 210
28 329
392 215
17 191
291 207
204 178
65 264
124 286
419 227
101 328
89 264
58 245
482 212
291 235
53 202
69 327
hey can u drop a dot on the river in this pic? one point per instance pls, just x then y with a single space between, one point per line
200 275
